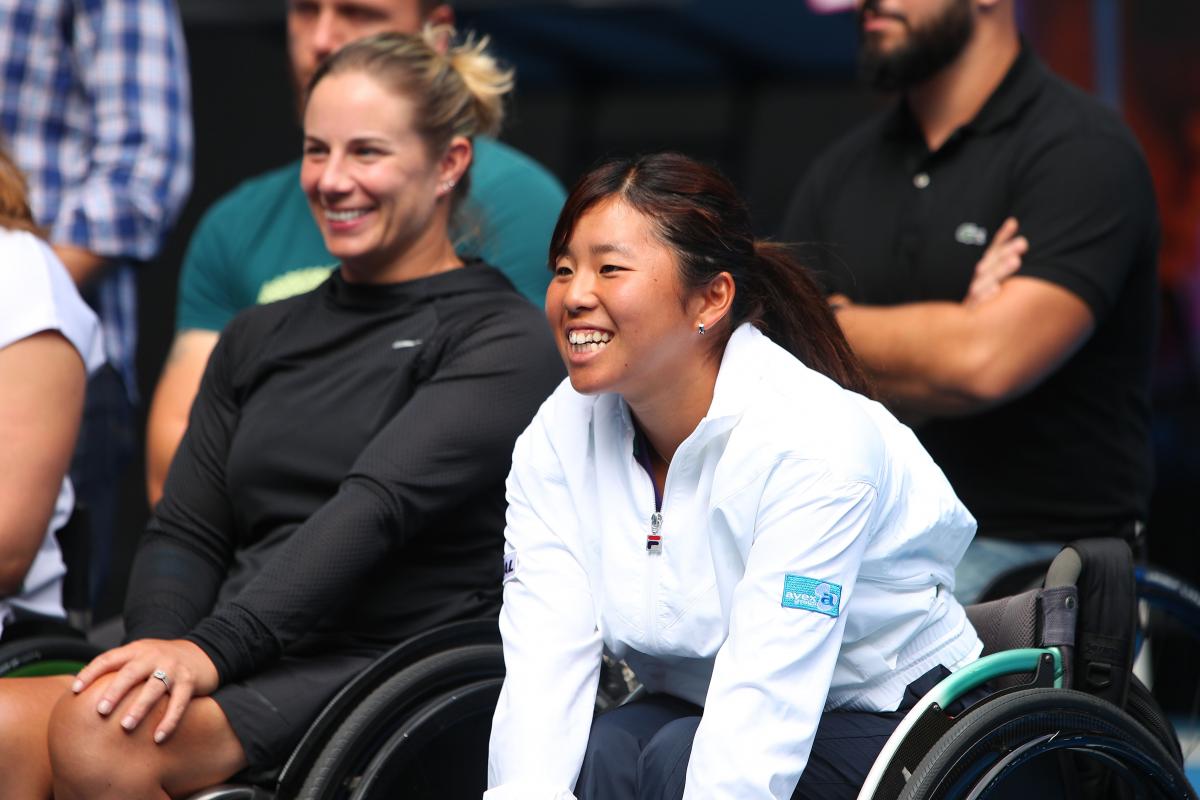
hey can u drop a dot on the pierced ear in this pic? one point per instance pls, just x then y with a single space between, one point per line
454 163
717 300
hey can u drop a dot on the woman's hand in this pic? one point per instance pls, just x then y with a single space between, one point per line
999 262
177 668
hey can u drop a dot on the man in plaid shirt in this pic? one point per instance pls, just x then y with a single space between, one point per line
95 108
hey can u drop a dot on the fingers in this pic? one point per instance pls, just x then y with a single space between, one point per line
180 696
1006 231
106 662
129 677
1000 261
153 689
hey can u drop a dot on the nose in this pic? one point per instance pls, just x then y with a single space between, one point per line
326 35
334 179
580 294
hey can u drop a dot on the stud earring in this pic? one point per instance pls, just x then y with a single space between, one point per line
447 185
700 328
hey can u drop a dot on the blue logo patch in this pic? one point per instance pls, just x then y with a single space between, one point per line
811 594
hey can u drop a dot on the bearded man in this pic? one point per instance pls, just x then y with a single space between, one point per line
989 243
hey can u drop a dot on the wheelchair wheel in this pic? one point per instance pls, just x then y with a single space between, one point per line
339 768
993 742
439 753
37 656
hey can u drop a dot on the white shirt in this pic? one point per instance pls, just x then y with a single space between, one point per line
807 563
37 294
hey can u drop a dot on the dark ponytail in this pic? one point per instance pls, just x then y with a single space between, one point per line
698 214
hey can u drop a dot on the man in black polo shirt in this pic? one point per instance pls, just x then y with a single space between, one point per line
1023 360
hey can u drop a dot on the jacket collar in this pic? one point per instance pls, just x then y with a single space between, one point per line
739 374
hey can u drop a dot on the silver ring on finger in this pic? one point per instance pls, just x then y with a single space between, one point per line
158 674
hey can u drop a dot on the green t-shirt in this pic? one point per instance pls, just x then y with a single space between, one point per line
259 243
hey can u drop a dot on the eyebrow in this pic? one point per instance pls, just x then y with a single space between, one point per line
610 247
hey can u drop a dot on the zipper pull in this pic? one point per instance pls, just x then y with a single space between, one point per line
654 540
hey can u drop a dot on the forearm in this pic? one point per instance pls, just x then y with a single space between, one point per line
926 358
171 588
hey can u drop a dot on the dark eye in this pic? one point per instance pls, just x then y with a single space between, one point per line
311 149
303 7
560 270
610 269
363 13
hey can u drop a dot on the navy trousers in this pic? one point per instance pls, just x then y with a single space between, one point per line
641 751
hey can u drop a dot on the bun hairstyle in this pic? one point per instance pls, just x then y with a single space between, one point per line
15 213
696 212
457 86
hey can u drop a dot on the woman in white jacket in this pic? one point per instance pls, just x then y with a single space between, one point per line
711 497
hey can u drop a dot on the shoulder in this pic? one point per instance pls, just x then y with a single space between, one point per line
497 162
1067 126
251 331
499 167
37 294
559 432
796 413
256 194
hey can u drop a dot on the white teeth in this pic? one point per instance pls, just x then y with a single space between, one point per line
589 337
344 216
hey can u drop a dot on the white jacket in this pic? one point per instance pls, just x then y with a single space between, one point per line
807 562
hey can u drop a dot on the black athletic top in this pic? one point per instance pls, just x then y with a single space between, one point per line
341 483
898 224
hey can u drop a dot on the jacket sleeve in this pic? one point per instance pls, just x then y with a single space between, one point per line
552 647
188 544
456 430
773 672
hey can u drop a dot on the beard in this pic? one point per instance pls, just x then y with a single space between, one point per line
930 47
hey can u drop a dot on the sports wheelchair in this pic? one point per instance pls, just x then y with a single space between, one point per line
1066 717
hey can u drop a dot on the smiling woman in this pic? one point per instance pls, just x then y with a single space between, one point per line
340 486
387 144
766 547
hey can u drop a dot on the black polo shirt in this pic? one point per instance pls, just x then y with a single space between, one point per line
886 221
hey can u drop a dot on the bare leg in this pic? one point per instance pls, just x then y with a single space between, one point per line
94 758
25 706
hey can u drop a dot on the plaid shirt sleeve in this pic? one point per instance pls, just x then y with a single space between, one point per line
132 62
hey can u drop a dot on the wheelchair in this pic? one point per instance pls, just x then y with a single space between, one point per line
1065 700
415 724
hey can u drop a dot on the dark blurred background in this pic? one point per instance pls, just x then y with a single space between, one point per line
756 86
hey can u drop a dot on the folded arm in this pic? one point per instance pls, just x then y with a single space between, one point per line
944 358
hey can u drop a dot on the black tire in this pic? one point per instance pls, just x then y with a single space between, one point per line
439 753
340 764
977 754
18 657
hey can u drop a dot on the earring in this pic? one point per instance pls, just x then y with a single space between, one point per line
700 328
447 185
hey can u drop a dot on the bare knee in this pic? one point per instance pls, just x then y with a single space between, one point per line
92 756
25 705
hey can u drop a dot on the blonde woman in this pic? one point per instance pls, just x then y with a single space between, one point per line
340 486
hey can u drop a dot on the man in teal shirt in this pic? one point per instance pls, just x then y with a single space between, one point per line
259 243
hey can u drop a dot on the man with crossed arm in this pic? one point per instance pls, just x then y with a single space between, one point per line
990 245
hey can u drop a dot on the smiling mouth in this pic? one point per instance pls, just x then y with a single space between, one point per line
345 215
582 340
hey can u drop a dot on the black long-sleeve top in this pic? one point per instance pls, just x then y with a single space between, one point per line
342 477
